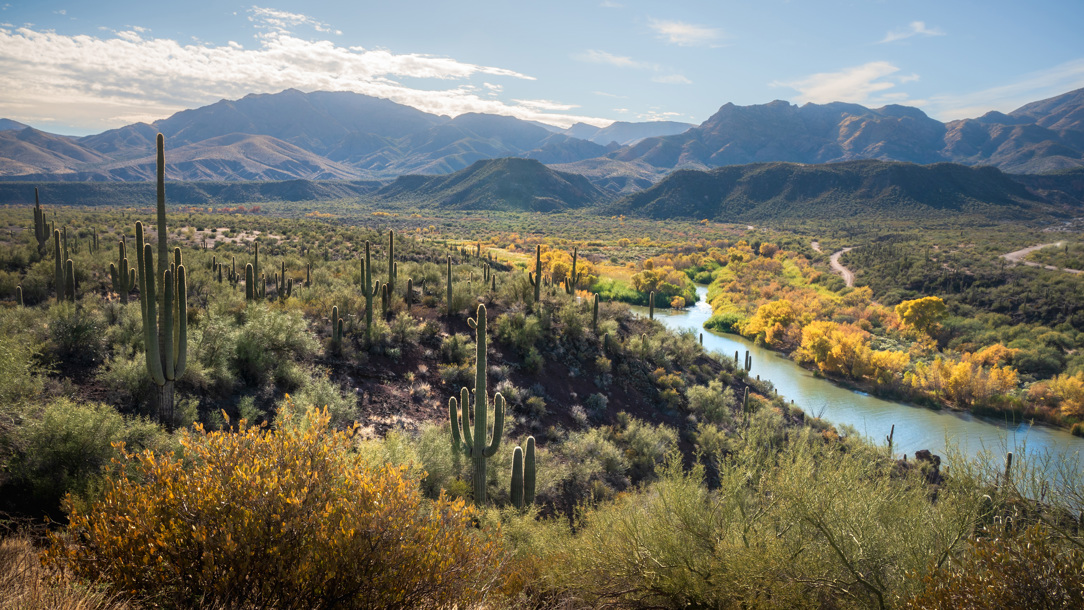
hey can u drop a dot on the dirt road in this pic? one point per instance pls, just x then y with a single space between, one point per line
1020 255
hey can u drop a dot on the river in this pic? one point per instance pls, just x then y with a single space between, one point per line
916 427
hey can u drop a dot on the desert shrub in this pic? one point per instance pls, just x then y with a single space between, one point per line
289 518
596 406
645 445
269 340
65 448
711 403
1028 569
803 526
457 348
518 330
75 334
320 392
404 329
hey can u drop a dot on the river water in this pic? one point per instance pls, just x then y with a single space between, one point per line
916 427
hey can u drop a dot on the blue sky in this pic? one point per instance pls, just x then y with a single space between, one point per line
84 67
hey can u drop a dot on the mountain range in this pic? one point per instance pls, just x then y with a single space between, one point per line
324 136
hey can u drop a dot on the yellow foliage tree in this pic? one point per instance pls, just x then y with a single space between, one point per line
1064 392
772 319
922 314
289 518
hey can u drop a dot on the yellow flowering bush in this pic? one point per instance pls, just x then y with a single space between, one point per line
285 518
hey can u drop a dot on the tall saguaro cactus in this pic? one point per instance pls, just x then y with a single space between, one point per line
474 444
165 330
448 300
392 269
536 278
523 475
58 261
369 289
122 274
41 228
570 283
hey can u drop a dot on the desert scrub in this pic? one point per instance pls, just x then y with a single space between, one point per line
285 518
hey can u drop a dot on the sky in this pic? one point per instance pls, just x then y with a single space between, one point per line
84 67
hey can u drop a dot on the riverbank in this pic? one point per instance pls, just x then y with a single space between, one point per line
916 427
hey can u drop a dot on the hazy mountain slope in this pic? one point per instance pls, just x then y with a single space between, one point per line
497 184
1041 136
185 193
30 151
772 191
6 124
625 133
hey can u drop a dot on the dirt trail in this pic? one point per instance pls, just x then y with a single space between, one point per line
1020 255
848 275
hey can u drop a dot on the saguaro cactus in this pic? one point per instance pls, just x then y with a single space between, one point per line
594 313
570 283
474 444
69 280
391 257
336 327
58 271
523 475
165 332
536 277
250 283
369 289
19 295
651 305
41 228
123 276
448 302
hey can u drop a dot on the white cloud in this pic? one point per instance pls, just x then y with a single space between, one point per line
1026 88
621 61
686 34
915 28
672 79
547 105
655 115
282 21
866 84
95 82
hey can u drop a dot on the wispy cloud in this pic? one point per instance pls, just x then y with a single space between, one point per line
1010 96
283 21
672 79
610 4
622 61
686 34
915 28
866 84
110 79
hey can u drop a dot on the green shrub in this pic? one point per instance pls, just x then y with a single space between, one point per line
713 403
65 448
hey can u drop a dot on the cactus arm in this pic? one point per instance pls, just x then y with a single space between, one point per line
498 426
163 249
181 323
529 472
516 492
59 271
165 324
140 269
468 438
150 328
453 419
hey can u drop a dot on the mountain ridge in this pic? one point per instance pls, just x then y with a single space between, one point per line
344 135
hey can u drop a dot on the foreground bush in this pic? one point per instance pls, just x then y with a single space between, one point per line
285 518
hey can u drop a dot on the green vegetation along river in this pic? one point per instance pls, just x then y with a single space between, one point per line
916 427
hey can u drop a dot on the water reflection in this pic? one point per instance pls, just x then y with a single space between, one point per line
916 427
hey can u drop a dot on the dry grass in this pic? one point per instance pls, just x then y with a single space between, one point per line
26 585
